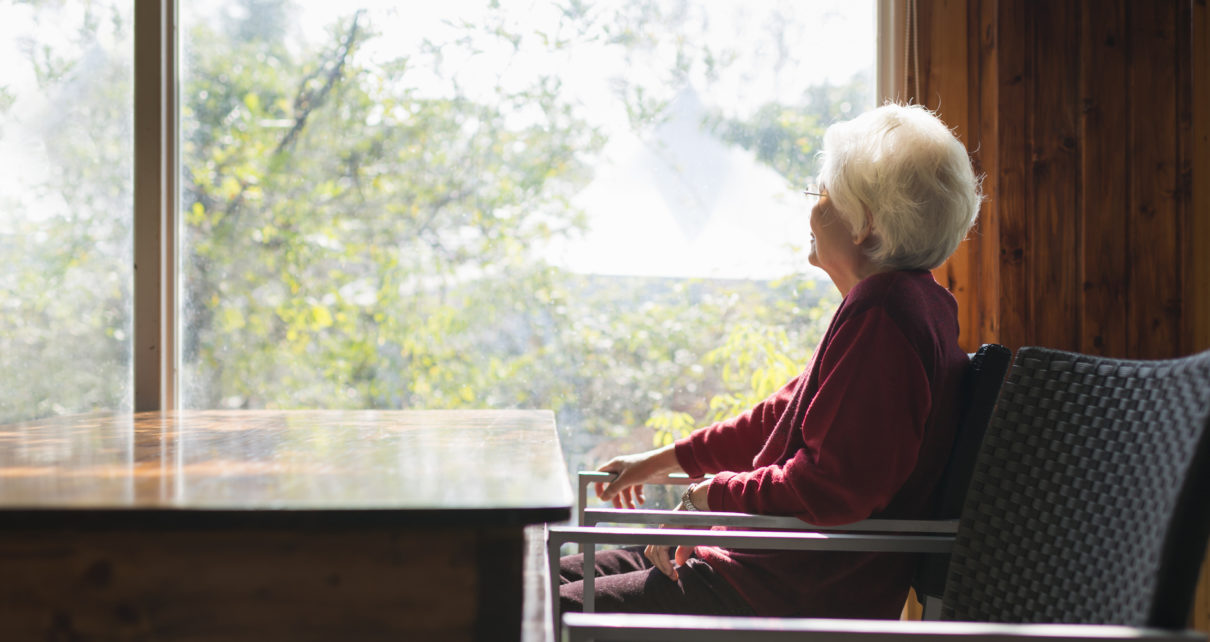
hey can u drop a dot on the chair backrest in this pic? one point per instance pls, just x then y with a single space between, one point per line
1088 499
980 387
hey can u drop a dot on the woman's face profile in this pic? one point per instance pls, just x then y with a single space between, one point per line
832 246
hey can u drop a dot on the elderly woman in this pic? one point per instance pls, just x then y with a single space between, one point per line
863 432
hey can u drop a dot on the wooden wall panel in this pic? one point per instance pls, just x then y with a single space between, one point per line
1105 193
1153 246
1197 258
1081 114
1183 96
1054 204
1010 118
984 242
1197 285
953 83
1090 119
945 71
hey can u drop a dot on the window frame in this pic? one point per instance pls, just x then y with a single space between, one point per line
155 357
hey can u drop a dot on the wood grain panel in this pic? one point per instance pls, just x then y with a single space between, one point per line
1054 266
1197 286
233 525
944 62
1013 189
1155 286
1097 192
276 466
1104 155
986 236
953 83
1197 263
1199 617
949 76
925 41
1092 121
253 585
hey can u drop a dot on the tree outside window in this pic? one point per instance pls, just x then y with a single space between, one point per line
584 206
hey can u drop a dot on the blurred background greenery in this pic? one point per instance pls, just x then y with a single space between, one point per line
374 222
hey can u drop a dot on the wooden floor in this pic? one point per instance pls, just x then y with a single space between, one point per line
535 621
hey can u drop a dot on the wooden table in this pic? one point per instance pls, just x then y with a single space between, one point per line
255 525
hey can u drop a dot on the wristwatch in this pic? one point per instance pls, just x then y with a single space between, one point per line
686 500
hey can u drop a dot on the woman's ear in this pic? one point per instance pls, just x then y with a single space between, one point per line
864 233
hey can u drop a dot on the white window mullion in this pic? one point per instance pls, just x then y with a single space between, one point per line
155 205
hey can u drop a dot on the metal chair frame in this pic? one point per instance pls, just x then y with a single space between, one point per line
1188 528
779 532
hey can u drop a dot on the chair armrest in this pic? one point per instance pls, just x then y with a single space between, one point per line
589 476
593 516
604 627
556 536
586 478
769 540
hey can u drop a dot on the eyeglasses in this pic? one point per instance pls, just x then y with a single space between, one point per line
808 192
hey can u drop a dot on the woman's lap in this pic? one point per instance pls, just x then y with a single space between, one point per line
626 582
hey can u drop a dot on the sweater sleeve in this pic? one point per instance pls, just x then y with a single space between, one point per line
734 443
861 433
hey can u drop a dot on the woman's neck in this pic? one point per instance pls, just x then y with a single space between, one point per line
850 278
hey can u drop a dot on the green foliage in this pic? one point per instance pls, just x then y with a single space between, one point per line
65 289
353 239
348 235
669 426
7 98
788 138
781 136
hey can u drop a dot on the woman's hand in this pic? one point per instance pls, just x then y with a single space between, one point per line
633 471
659 554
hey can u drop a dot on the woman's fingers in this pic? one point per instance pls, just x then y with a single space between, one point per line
609 491
683 553
615 495
659 558
606 490
622 491
633 471
630 496
626 489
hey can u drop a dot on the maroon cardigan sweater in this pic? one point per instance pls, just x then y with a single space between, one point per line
864 432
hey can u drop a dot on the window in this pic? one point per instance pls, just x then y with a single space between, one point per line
586 206
65 208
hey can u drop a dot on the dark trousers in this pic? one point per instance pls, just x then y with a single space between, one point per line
626 582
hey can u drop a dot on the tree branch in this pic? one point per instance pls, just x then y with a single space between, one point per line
307 101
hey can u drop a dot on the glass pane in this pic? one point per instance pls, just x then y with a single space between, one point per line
593 207
66 159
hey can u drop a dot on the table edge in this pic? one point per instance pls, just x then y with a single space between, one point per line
60 518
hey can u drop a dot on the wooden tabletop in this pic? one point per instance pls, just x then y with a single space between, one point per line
325 468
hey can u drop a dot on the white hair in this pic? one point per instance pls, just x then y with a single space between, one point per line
904 169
